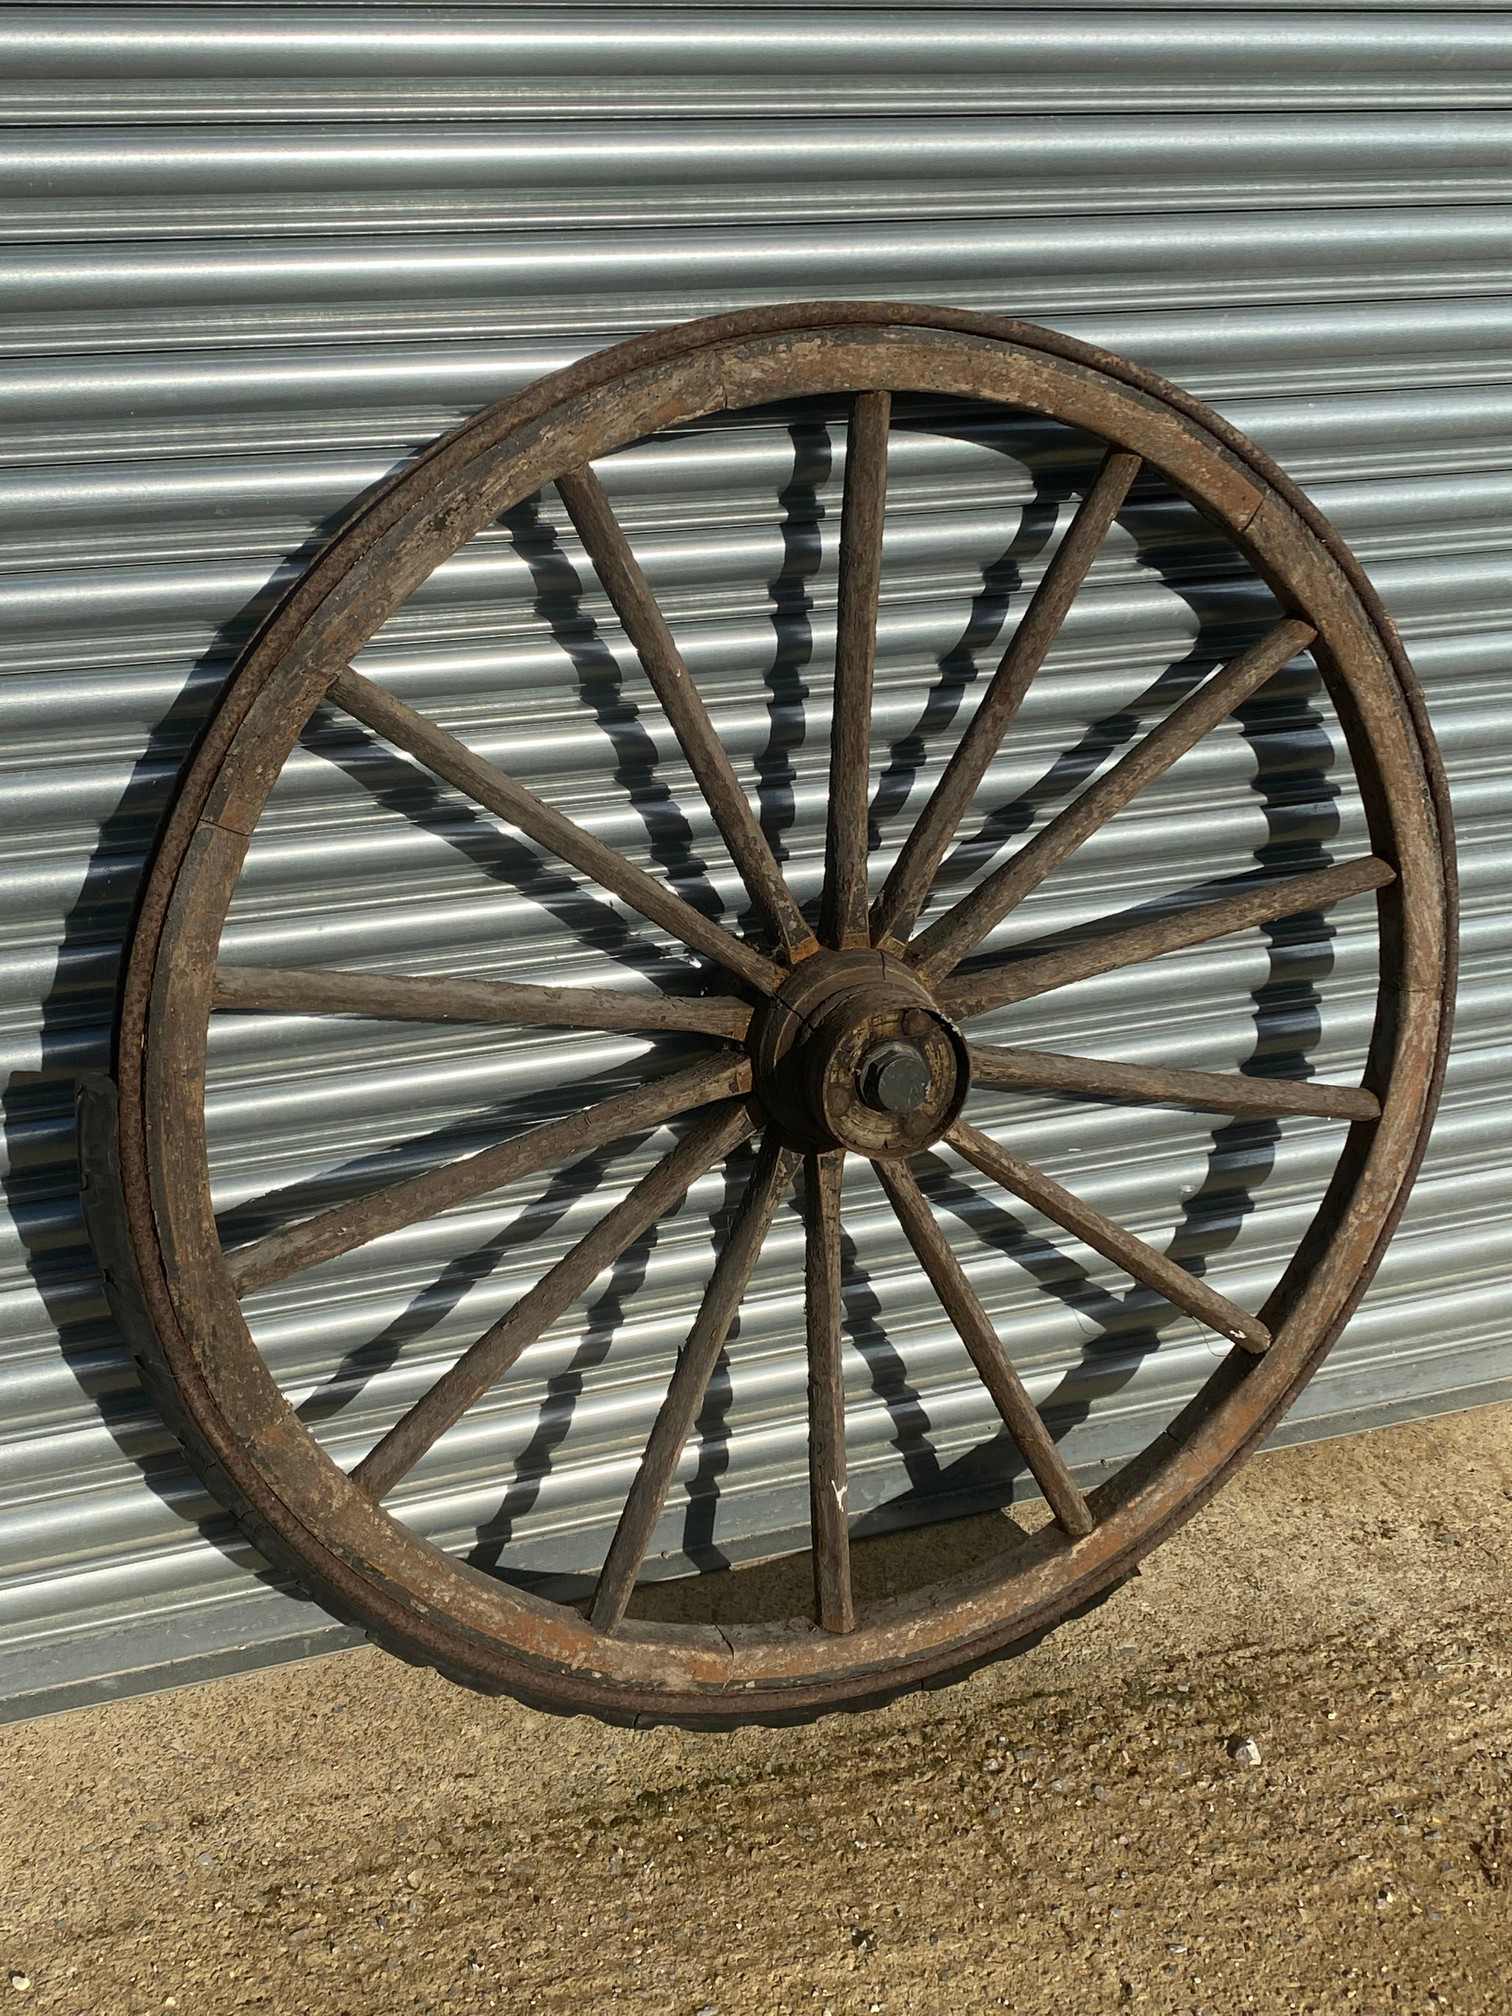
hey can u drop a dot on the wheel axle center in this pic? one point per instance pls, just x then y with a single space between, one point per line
853 1052
895 1078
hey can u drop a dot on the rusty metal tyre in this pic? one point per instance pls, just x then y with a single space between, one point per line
842 1034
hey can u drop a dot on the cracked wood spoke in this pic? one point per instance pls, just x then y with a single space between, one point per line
1260 903
1159 1085
498 793
769 1182
994 1367
829 1521
348 1226
967 923
847 838
904 893
485 1362
1154 1269
638 611
402 997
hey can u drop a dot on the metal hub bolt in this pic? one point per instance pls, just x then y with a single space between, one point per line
895 1078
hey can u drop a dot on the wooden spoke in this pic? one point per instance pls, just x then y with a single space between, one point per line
348 1226
829 1522
638 611
994 1367
903 894
1158 1085
847 839
1258 903
769 1183
1163 1275
966 924
404 997
483 1364
498 793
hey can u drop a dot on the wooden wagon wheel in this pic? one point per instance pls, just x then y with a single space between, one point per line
841 1034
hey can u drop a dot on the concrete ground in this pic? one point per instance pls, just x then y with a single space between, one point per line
1064 1833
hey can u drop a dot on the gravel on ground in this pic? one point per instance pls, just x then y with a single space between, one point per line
1273 1774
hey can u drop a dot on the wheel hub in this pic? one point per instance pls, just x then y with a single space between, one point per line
854 1053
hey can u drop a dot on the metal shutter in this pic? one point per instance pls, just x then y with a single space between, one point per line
257 256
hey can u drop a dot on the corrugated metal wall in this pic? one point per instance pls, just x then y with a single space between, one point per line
257 256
